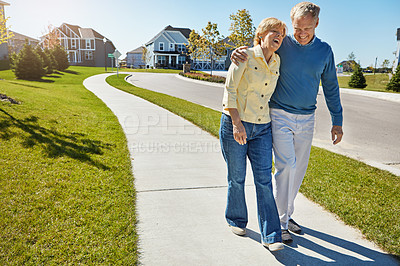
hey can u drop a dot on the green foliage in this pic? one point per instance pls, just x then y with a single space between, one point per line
194 45
28 64
4 64
61 57
47 65
52 59
66 186
357 80
394 83
242 28
212 44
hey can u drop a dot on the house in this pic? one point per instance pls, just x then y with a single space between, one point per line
85 46
18 40
397 61
134 58
167 49
346 66
3 46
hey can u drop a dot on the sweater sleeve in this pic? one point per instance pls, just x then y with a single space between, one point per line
331 91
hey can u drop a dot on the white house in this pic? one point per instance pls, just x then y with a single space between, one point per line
397 61
134 58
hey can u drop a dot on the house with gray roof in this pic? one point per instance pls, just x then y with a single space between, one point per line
167 49
18 40
134 58
85 46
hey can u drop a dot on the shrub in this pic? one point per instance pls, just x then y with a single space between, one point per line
204 76
28 64
47 65
61 57
394 83
357 80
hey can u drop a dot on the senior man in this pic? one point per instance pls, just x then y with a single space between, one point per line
305 61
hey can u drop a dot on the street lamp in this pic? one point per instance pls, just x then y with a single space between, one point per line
105 53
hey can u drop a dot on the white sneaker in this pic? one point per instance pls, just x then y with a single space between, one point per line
238 231
274 246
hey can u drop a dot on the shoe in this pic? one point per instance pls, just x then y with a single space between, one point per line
238 231
294 227
274 246
286 237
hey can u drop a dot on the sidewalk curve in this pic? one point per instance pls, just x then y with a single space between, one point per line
180 179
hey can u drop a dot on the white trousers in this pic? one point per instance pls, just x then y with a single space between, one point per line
291 138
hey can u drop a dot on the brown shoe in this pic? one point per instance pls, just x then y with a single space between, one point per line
286 237
294 227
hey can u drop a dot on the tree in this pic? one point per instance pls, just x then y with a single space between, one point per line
28 64
357 80
194 45
212 43
351 58
47 64
242 28
61 57
385 63
5 34
51 57
51 37
146 56
394 83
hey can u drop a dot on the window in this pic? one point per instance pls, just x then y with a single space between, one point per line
161 59
88 46
171 47
73 43
181 48
88 55
181 60
161 46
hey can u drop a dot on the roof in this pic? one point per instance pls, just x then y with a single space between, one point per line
138 50
84 33
2 3
184 31
19 36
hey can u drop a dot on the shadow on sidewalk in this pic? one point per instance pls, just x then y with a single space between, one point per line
332 255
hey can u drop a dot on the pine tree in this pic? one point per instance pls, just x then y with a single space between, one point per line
357 80
51 57
28 64
394 83
46 60
61 58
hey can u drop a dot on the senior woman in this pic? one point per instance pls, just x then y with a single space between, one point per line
246 132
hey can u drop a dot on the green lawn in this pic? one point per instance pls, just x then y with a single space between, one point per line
362 196
66 186
375 82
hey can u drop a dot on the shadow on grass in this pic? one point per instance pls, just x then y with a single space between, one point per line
71 72
53 143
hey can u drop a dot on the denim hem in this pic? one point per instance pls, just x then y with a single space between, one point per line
235 225
270 240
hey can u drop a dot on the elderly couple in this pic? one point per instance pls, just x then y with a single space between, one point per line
269 104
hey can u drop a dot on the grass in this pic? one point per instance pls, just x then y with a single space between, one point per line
362 196
66 186
375 82
173 71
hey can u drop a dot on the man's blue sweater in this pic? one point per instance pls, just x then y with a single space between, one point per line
302 69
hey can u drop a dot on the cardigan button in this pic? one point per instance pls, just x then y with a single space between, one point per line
266 84
262 95
259 119
261 107
255 67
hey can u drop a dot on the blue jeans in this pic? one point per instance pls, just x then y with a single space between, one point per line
259 151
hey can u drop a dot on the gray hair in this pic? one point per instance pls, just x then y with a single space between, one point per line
303 9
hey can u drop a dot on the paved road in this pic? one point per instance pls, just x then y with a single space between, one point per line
371 125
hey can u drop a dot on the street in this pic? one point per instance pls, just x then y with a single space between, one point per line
371 126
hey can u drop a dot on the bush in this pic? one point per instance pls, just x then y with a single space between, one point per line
357 80
28 64
204 76
4 64
47 65
394 83
61 57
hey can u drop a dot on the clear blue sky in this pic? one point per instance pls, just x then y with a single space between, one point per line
365 27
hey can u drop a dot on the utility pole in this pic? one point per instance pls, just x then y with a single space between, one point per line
376 59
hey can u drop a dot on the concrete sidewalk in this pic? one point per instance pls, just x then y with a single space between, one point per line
180 179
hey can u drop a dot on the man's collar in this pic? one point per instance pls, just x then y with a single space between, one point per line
308 44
